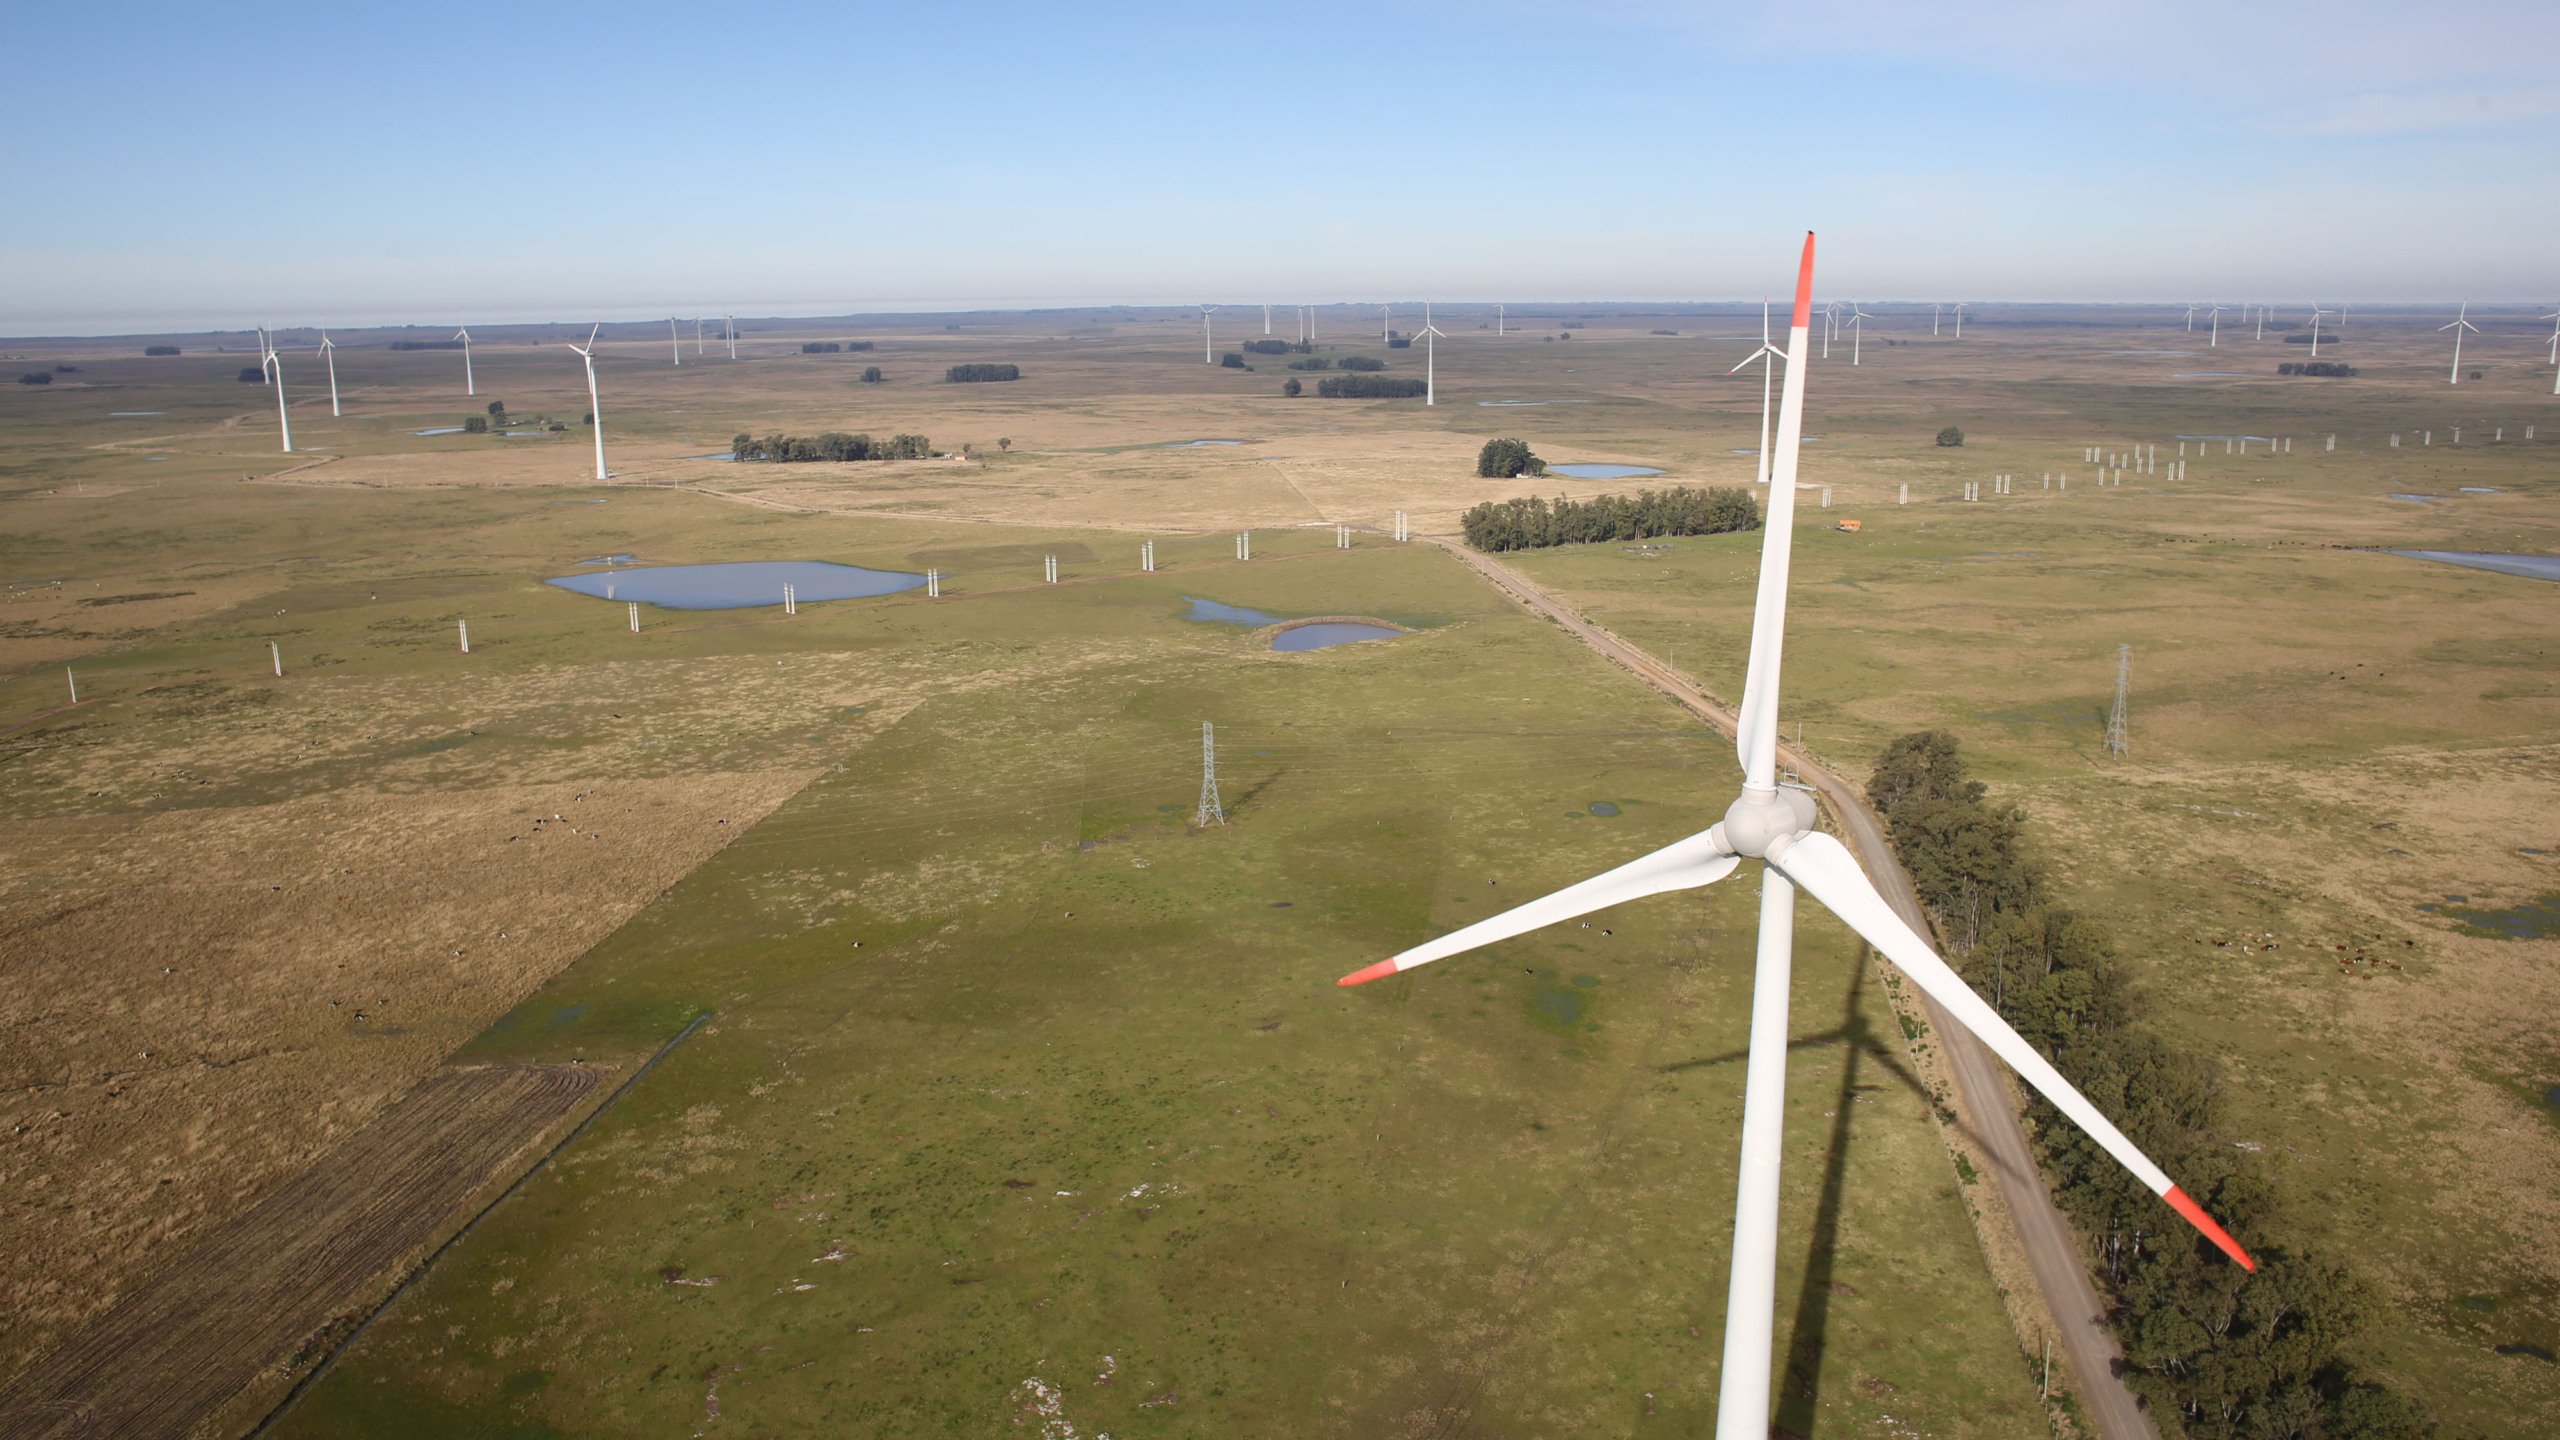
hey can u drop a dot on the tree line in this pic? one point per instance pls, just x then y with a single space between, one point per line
426 344
2316 367
1533 523
833 445
1368 387
2220 1353
981 370
831 347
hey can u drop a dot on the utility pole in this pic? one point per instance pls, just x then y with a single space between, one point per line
1210 808
2119 741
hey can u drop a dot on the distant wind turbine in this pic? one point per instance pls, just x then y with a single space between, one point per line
275 368
1502 317
2316 314
697 335
329 352
2262 322
1935 312
2191 317
1857 331
1769 355
469 385
1208 351
1960 319
1386 316
1430 379
731 321
2461 323
595 406
1266 319
675 343
2554 318
2217 309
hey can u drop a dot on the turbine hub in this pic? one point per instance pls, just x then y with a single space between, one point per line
1761 818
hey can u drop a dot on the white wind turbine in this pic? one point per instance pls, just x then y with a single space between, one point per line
595 407
1266 319
675 342
329 352
1208 351
1857 331
2316 314
2461 323
1775 825
275 372
469 385
1769 355
1430 334
2215 342
1960 319
2554 318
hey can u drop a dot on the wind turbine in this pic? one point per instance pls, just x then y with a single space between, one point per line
1266 319
1935 311
1770 355
1430 335
2316 313
595 407
275 368
1208 352
2461 323
2191 317
2216 341
1857 332
469 385
2262 323
674 342
697 335
1960 319
329 352
1502 316
731 322
1776 826
2554 318
1386 315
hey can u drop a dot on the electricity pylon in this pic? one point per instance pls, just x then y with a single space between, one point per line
2119 742
1210 809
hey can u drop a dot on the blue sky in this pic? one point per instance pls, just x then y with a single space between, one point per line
218 165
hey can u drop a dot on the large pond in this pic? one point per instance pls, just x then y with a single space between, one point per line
2536 567
1602 472
738 585
1319 637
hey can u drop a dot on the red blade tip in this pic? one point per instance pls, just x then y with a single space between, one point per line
1379 971
2194 1212
1804 287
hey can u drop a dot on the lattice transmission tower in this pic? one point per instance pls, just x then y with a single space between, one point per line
2119 739
1210 809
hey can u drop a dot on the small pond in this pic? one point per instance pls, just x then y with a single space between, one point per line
1320 637
1602 472
739 585
2536 567
2532 920
1189 444
440 430
1217 614
714 455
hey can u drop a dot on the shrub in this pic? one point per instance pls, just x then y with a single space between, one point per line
1361 362
159 349
2332 338
967 374
249 375
475 424
871 375
498 411
1004 442
40 377
1316 364
2315 367
426 344
1951 436
1231 360
1291 388
1503 459
821 347
1533 523
834 446
1267 347
1367 387
1399 342
66 369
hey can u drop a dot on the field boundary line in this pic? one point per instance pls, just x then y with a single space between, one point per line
329 1361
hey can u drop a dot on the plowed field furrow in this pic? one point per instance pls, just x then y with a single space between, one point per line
184 1344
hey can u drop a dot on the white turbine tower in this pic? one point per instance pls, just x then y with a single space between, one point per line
1208 351
1502 318
731 322
1430 335
275 372
470 386
595 407
1857 331
1266 319
2554 318
329 352
2460 324
1776 826
2215 308
1960 319
1769 355
675 343
2316 313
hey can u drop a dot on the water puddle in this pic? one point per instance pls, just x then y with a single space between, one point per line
623 559
739 585
132 414
2533 920
2416 499
1602 472
1602 808
1510 404
440 430
2532 567
714 455
2482 490
1212 612
1320 637
1192 444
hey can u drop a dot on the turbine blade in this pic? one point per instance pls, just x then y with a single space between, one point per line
1683 865
1825 868
1756 734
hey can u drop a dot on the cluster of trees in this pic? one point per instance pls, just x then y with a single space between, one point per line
1360 362
831 347
36 377
2231 1354
1951 436
159 349
1399 341
833 445
1504 459
253 375
426 344
981 370
2332 338
1368 387
2315 367
1269 347
1533 523
1316 363
1233 360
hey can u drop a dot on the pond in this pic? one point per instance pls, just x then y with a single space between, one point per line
2535 567
740 584
714 455
1188 444
1602 472
440 430
1321 637
2532 920
1214 613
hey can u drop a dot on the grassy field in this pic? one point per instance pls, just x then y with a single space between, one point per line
1046 1096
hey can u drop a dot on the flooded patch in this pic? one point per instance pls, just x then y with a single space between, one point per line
714 455
1211 612
1193 444
440 430
1320 637
132 414
1602 472
2532 567
2533 920
740 584
1602 808
622 559
2416 499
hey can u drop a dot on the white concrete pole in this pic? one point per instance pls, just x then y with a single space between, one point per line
275 652
1903 496
73 681
465 627
635 618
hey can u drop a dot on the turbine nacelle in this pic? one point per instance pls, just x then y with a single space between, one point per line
1759 820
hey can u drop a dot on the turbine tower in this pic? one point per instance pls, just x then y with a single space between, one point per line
2215 310
1266 319
1430 335
1769 355
470 386
1210 809
2316 313
275 369
1857 331
2119 740
2460 324
595 407
675 343
1208 351
1775 825
329 352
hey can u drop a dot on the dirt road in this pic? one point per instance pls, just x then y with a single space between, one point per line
2052 1252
